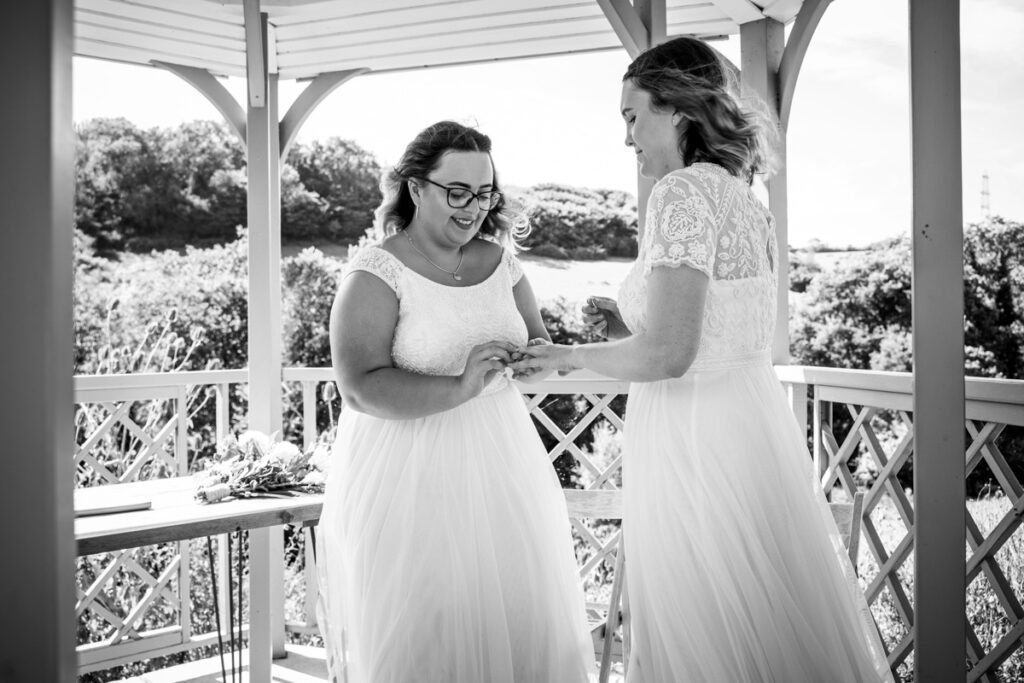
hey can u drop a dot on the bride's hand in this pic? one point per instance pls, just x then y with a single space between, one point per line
484 361
546 357
531 375
593 319
601 315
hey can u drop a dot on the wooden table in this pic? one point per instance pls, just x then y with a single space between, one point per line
176 515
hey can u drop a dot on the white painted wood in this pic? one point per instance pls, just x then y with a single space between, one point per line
655 17
266 568
740 11
625 20
208 9
154 42
797 395
272 49
139 31
761 49
439 21
313 94
221 36
255 54
36 195
444 50
938 342
308 374
780 10
155 380
796 49
188 17
213 90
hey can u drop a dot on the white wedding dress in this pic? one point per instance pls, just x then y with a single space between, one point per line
736 572
446 552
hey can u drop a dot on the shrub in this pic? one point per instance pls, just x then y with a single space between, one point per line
591 221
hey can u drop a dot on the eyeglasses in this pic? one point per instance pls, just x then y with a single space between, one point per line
460 197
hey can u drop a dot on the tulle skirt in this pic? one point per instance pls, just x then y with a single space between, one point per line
736 571
447 554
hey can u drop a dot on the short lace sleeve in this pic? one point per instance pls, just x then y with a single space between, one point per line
681 225
376 261
515 268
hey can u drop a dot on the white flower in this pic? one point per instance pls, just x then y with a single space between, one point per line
255 443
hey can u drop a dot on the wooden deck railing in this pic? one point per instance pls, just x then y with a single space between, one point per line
138 604
861 427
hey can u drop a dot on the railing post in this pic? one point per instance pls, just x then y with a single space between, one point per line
822 422
797 393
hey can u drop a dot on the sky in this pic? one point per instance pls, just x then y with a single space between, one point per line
557 119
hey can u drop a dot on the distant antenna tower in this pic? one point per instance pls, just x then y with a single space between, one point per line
986 207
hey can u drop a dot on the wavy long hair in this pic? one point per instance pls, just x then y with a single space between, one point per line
504 223
688 76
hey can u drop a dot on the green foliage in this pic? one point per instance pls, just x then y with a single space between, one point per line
569 222
858 315
309 281
801 271
345 179
139 190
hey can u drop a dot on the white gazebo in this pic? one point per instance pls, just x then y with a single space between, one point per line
326 43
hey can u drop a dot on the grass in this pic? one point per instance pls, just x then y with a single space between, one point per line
984 612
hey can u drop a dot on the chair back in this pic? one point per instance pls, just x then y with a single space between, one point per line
848 517
606 504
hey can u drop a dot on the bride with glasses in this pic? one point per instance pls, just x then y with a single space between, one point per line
446 549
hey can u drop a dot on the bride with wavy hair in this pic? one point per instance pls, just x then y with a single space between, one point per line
735 570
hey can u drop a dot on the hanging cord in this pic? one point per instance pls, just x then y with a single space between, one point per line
231 611
241 537
216 607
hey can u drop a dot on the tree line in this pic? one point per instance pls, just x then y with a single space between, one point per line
140 190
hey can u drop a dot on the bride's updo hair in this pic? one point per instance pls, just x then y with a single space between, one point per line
503 223
688 76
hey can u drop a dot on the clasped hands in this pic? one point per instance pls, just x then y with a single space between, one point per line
529 363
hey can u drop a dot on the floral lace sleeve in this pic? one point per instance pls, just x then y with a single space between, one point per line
515 268
681 226
376 261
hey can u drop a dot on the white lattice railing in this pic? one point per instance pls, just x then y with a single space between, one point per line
135 604
856 418
862 435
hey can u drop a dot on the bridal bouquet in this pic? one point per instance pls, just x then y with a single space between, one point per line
253 463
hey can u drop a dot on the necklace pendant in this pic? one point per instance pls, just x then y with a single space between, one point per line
458 278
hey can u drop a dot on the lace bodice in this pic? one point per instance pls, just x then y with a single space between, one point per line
707 219
438 324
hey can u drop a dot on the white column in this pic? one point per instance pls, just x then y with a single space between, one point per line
36 416
266 560
761 48
938 342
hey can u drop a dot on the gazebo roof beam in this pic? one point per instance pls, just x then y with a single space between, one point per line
793 57
314 93
211 88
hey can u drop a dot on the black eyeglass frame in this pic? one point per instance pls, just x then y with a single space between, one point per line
496 194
